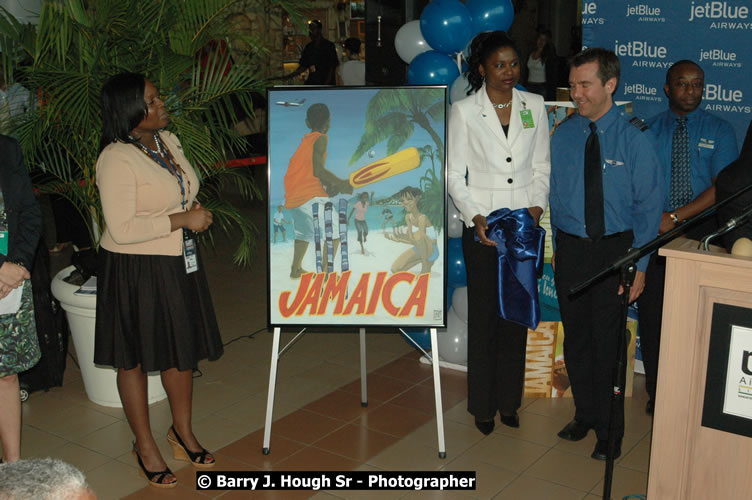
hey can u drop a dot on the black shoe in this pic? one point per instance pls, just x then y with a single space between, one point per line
574 431
650 407
157 479
512 420
485 426
601 450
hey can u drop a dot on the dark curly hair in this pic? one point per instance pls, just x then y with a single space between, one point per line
481 49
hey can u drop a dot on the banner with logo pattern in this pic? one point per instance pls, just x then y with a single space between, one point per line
649 36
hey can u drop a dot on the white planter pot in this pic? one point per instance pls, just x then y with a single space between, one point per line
99 381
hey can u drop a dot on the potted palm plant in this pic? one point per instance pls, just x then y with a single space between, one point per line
185 47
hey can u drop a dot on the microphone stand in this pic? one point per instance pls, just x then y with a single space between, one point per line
627 267
730 225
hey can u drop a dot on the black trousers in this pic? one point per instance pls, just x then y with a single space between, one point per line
495 347
592 324
650 307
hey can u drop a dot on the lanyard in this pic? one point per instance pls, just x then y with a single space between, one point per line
174 170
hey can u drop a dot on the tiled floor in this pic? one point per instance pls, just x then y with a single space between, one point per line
319 422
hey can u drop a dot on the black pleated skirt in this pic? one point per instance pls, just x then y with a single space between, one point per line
150 312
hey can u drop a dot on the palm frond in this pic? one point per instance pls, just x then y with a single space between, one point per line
382 127
78 44
227 216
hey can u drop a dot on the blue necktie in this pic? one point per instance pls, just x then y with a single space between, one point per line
595 225
681 186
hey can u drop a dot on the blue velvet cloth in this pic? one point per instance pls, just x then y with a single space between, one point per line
520 246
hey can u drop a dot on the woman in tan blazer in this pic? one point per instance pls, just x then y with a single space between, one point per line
154 311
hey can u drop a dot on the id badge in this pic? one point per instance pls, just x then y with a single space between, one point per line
189 252
4 242
527 118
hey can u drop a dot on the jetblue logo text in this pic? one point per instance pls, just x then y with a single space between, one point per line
640 49
640 88
720 58
589 10
716 92
643 10
719 98
717 10
722 15
642 92
645 13
717 55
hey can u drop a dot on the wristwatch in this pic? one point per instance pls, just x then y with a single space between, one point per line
674 217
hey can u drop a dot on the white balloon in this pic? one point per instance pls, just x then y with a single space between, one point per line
454 224
409 41
459 89
459 302
453 340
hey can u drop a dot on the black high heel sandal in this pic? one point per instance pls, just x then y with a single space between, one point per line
181 452
155 479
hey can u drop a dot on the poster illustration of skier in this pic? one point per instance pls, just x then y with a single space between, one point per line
357 203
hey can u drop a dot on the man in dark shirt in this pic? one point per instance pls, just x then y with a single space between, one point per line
319 57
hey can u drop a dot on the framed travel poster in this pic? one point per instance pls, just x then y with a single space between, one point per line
357 204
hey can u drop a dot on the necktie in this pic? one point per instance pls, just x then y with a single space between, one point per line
681 187
594 224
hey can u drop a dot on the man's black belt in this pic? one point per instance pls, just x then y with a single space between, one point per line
585 238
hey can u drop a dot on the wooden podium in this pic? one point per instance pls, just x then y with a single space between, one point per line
689 460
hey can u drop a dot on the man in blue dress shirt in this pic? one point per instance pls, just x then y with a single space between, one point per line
689 166
629 214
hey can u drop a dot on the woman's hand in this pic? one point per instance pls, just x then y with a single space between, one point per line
199 218
536 212
196 219
12 275
480 229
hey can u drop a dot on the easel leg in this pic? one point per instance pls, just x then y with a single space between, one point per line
363 375
437 392
270 395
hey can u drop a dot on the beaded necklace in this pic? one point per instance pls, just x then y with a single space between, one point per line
502 105
171 166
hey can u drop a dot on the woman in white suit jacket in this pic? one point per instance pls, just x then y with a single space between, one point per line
498 148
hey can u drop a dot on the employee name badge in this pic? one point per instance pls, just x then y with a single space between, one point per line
4 242
527 118
189 252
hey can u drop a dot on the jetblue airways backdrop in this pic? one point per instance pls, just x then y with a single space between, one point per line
650 36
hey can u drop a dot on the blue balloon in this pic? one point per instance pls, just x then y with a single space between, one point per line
489 15
456 275
446 25
432 68
421 336
450 293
